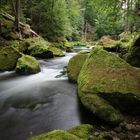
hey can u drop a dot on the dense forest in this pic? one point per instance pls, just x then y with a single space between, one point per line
76 20
69 69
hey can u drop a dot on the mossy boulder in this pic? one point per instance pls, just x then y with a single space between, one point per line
27 65
126 43
74 66
56 51
81 132
8 58
108 43
56 135
40 48
106 84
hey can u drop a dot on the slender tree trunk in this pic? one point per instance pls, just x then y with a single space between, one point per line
127 16
17 15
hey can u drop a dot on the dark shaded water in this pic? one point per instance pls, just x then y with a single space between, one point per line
52 100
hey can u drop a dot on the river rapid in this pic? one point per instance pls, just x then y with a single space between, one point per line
33 104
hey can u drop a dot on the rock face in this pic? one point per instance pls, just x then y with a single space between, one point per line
8 58
81 132
106 84
27 65
74 66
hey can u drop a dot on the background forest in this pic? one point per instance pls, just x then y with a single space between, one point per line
77 19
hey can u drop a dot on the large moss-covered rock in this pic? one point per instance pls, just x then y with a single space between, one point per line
27 65
74 66
8 58
126 43
81 132
56 51
107 83
40 48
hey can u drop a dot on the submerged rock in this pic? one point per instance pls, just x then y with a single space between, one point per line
106 84
74 66
27 65
82 132
8 58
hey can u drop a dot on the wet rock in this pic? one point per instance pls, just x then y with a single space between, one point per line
27 65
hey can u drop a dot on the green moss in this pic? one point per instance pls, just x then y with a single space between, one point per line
8 58
82 131
56 135
27 65
38 47
101 108
127 42
74 66
56 51
133 55
106 73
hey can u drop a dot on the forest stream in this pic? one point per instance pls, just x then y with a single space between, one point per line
30 105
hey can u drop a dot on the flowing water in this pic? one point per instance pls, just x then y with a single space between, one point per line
30 105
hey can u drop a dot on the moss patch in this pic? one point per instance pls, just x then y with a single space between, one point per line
8 58
56 135
38 47
82 131
74 66
56 52
27 65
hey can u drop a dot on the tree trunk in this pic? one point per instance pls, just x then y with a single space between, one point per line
17 15
127 16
